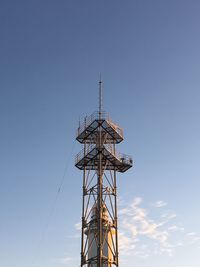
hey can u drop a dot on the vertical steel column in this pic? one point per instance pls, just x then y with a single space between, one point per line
99 184
116 219
83 213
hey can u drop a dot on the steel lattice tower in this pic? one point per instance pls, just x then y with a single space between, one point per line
100 162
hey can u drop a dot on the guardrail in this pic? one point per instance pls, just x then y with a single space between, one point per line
121 157
84 152
95 116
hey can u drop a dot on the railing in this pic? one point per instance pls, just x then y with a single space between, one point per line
116 127
95 116
121 157
84 152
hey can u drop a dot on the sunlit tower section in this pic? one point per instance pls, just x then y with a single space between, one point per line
100 163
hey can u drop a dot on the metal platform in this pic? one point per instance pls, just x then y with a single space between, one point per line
111 132
89 159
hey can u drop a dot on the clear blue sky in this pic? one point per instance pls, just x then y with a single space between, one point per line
51 54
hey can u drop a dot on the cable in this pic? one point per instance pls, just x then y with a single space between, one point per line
53 206
60 186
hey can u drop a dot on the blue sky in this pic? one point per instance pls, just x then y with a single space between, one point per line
51 55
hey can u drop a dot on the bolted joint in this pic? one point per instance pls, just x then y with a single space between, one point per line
84 190
84 222
83 259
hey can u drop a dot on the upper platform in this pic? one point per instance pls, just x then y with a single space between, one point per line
89 129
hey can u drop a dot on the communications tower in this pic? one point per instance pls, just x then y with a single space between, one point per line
100 163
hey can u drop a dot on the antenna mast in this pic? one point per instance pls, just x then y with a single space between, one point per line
100 98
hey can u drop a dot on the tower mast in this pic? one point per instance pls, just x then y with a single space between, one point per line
100 97
100 163
99 184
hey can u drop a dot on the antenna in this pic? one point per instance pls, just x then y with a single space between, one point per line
79 122
100 97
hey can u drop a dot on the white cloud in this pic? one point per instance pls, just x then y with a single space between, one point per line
78 226
126 243
175 228
143 232
193 238
168 215
136 222
136 201
65 260
159 204
191 234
